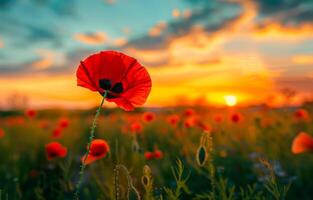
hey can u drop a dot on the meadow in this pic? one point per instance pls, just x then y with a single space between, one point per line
158 153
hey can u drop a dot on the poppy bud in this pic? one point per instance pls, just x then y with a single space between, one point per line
202 155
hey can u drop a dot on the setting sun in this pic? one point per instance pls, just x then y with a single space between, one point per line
230 100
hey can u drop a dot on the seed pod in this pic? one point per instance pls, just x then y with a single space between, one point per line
202 155
145 179
146 170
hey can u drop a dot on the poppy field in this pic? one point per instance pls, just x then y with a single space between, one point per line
177 153
156 100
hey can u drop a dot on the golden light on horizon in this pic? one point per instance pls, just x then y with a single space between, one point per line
230 100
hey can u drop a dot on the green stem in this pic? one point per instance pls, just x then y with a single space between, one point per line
91 136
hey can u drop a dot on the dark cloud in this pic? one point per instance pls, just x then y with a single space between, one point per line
208 16
27 33
288 13
27 68
66 7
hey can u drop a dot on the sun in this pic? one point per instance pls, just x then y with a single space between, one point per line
230 100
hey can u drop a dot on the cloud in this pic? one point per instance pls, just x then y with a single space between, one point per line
48 59
157 29
291 16
305 59
118 42
29 33
194 38
46 62
95 38
60 8
175 13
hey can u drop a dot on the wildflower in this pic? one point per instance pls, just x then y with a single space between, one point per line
189 112
148 116
236 117
55 150
157 154
136 127
204 126
173 119
30 113
122 78
2 133
302 143
98 150
63 123
301 114
56 133
149 155
190 122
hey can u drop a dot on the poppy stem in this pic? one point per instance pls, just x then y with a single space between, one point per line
91 136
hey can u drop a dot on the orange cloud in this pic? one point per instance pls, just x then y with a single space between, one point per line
274 30
303 59
91 38
157 29
47 59
175 13
120 41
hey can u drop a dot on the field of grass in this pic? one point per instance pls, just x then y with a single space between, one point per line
206 155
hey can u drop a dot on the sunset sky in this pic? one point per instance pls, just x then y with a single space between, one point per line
196 51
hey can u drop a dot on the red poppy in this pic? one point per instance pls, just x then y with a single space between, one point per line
63 123
98 149
136 127
149 155
218 118
173 119
2 133
189 112
126 81
236 117
301 114
56 133
55 150
203 126
30 113
303 142
190 122
158 154
148 116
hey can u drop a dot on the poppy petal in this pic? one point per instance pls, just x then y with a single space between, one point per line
302 143
122 103
90 159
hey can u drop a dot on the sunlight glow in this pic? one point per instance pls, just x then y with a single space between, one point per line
230 100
